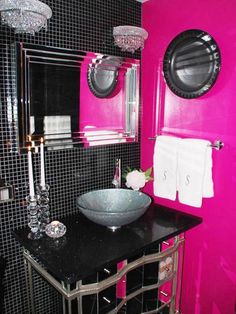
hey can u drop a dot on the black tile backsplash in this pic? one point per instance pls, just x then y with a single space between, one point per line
75 24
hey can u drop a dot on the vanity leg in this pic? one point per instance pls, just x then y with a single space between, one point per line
29 286
175 280
79 299
180 274
63 299
63 305
69 307
69 301
66 305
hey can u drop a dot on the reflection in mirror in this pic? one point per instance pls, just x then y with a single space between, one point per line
73 97
102 76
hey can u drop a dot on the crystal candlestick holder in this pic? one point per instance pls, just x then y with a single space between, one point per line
43 203
34 224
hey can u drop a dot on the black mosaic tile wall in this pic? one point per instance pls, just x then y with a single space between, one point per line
76 24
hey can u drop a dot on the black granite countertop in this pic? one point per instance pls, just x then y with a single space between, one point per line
87 247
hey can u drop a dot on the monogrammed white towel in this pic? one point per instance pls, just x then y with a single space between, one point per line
165 166
194 171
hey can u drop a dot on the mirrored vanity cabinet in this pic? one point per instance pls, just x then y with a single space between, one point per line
133 270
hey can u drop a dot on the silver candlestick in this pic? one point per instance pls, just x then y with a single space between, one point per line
43 203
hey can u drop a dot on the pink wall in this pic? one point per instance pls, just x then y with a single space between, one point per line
209 281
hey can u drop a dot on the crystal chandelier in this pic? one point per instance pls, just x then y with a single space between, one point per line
129 38
25 16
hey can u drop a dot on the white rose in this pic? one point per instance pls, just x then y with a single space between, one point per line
135 180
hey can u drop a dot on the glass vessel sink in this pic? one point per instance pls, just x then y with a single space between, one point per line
113 207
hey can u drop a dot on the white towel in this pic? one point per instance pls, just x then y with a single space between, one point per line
165 166
57 126
55 129
194 171
102 137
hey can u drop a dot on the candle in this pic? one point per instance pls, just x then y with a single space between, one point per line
42 164
33 144
31 178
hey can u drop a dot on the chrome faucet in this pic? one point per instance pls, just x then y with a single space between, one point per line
117 177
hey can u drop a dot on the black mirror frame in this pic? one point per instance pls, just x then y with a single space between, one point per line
169 65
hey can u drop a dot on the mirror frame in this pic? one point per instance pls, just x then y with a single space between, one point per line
103 88
188 52
28 53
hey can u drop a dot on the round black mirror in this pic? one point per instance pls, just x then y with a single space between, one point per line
191 63
102 76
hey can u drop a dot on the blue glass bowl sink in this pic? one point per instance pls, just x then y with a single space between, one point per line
113 208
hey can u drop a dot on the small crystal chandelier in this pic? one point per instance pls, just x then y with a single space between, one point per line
25 16
129 38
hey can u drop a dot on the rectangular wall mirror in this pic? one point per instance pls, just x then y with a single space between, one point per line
73 97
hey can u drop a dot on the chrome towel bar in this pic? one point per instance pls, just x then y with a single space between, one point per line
218 144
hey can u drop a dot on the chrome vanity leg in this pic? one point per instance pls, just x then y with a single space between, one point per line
69 307
69 301
175 279
31 288
79 299
180 275
67 289
63 299
29 285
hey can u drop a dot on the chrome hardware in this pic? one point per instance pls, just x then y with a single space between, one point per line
166 243
106 271
218 144
107 300
164 293
117 177
113 229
